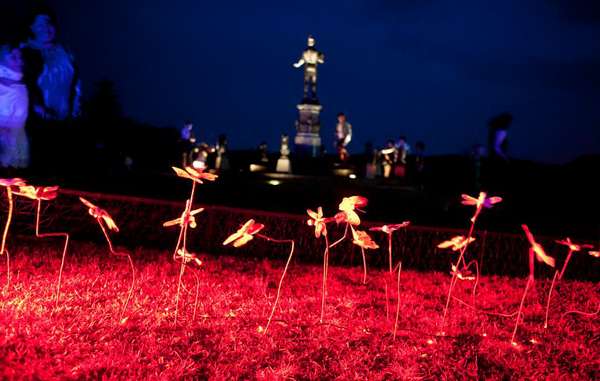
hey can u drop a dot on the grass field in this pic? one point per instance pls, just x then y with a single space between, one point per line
83 337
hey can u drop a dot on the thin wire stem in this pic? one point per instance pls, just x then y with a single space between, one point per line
562 272
325 270
398 304
3 250
455 275
550 297
291 242
512 339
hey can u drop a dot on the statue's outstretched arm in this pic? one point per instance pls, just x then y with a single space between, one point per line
299 63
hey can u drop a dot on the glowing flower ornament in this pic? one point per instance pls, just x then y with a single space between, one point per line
317 220
8 184
389 230
245 234
348 208
40 194
573 247
480 202
535 251
105 221
197 176
456 243
348 215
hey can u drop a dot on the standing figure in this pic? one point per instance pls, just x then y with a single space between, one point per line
221 161
187 140
389 157
311 57
498 136
14 103
52 77
343 136
403 150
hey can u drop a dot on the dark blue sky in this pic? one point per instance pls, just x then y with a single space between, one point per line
432 70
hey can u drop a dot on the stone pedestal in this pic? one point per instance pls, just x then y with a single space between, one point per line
283 165
308 125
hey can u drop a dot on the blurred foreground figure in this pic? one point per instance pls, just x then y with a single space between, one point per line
311 58
14 103
53 83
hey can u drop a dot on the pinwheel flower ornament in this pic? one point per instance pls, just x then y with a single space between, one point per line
348 208
482 201
8 184
456 243
479 202
195 175
188 257
538 250
245 234
186 218
105 221
318 221
363 240
389 230
102 217
181 253
573 247
40 194
535 250
594 253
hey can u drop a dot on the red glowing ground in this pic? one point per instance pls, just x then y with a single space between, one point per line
83 338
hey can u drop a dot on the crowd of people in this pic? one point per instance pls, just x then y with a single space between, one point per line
39 85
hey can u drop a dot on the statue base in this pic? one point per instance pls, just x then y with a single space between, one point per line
283 165
308 144
308 125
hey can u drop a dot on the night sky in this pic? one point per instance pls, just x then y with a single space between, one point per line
431 70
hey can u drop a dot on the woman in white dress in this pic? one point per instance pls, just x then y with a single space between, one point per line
14 104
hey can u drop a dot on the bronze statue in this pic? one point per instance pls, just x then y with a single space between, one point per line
311 57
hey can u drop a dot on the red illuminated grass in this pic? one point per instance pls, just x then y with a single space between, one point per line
83 339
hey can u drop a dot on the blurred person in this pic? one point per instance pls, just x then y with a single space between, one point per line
222 160
498 136
187 141
51 74
389 156
403 149
14 104
343 136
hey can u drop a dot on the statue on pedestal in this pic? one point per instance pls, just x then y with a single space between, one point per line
283 163
308 140
311 58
